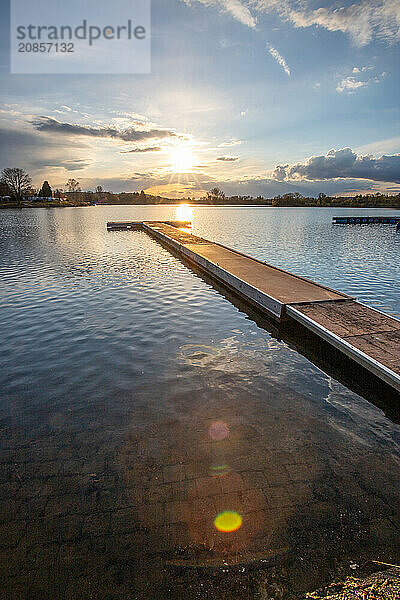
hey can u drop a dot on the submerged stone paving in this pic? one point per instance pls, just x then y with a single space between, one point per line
110 512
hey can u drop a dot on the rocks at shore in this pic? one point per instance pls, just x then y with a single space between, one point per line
384 585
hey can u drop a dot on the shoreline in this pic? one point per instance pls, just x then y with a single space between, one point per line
15 205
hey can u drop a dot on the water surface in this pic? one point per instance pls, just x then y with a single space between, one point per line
138 404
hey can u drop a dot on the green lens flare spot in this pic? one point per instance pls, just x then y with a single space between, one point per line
228 521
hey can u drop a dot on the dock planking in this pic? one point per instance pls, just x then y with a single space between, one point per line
267 287
137 225
366 335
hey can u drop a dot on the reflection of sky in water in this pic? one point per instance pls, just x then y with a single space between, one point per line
139 405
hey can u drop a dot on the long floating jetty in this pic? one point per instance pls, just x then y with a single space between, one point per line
362 220
366 335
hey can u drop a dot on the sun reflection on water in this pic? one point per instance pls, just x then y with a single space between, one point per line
184 212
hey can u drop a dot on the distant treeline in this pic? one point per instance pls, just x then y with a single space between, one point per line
359 201
16 189
134 198
217 196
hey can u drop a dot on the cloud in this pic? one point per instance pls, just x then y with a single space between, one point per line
269 187
137 181
353 82
253 186
148 149
229 143
195 184
70 165
280 172
343 164
389 145
27 149
228 158
130 134
279 59
362 20
350 84
235 8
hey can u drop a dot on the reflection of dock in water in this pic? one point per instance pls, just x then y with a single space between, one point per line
365 335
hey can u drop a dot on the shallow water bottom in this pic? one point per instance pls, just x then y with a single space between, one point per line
156 443
121 502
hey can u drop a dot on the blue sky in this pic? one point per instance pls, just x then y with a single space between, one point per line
237 89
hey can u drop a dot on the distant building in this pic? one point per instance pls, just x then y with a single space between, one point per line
39 199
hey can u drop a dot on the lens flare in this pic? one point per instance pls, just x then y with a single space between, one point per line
218 431
228 521
220 470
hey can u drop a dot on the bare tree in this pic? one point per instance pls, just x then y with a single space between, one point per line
4 189
73 187
18 181
215 195
99 193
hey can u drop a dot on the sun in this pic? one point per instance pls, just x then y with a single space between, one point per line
182 159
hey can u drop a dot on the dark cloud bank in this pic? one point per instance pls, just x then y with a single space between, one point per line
50 125
342 164
28 150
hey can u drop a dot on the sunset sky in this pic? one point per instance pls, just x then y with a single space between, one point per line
255 96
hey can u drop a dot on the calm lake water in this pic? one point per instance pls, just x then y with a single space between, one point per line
155 442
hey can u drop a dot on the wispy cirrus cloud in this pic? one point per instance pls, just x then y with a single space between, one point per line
229 143
131 134
279 59
362 20
344 163
235 8
389 145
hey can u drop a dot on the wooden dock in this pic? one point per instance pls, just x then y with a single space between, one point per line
364 220
366 335
136 225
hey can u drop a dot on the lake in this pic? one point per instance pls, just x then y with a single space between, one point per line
156 442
